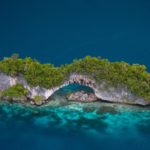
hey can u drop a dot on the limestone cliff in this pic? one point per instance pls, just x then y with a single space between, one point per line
103 91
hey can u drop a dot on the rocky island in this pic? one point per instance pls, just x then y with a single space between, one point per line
28 81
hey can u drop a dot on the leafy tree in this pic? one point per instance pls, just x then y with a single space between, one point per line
15 91
135 76
15 56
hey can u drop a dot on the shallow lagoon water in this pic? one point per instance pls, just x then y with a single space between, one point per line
72 125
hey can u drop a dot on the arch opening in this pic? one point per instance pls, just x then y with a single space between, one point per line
82 84
74 87
74 92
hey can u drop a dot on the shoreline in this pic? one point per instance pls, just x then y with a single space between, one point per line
117 82
67 102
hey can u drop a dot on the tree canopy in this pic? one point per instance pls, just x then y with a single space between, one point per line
134 77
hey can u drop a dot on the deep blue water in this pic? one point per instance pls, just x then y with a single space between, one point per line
58 32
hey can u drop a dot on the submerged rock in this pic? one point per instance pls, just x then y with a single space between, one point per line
88 109
106 109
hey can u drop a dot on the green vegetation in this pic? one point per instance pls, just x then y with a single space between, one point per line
37 99
15 91
69 93
135 76
1 94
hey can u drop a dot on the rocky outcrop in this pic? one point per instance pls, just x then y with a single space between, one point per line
82 96
106 92
119 94
102 90
38 102
22 99
6 81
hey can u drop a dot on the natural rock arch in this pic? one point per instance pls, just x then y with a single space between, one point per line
102 90
76 78
81 80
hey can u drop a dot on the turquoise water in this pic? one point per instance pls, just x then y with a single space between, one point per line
71 125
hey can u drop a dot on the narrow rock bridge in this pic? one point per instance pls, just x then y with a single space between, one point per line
8 81
74 78
111 94
82 80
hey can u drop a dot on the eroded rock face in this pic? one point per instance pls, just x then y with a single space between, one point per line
107 92
34 91
82 80
118 94
101 90
6 81
82 97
